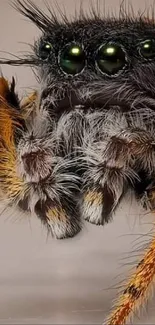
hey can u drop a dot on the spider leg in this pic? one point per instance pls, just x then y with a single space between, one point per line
136 289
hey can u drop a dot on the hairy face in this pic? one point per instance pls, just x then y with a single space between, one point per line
97 64
70 159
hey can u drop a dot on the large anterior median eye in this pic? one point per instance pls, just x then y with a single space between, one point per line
147 49
110 58
72 59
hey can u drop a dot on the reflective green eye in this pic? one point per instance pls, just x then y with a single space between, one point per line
72 59
45 50
111 58
147 49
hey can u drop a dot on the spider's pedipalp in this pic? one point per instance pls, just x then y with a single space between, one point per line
120 152
106 180
61 218
47 170
34 176
109 168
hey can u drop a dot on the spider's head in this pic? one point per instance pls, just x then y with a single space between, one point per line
94 62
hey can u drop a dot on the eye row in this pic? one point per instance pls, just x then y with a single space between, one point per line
110 58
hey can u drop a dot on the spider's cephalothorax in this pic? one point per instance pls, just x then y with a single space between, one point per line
90 134
70 151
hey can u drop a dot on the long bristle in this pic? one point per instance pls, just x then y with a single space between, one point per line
18 62
30 10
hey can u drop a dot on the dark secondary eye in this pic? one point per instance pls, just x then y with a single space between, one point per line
72 59
147 49
45 50
111 58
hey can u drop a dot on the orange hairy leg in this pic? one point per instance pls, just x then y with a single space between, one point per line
136 289
8 115
11 120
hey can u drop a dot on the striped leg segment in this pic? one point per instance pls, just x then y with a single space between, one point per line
136 290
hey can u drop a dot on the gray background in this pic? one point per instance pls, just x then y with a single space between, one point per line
71 281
